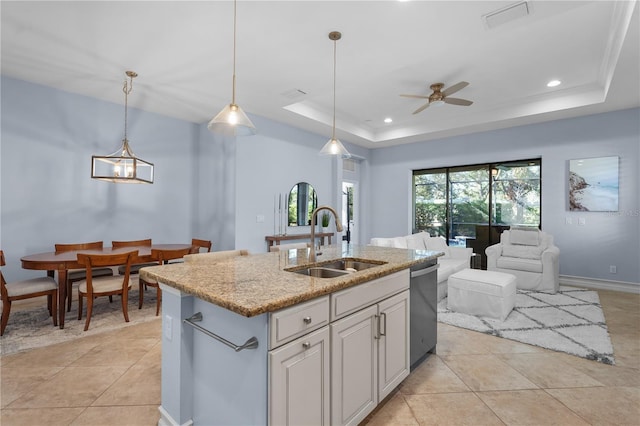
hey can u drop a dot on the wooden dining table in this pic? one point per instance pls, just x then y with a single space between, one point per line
64 261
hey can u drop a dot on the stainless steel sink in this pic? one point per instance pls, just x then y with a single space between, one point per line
336 268
352 265
319 272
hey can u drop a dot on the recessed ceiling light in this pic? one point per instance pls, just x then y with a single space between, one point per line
388 120
554 83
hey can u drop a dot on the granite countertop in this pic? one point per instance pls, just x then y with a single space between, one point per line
256 284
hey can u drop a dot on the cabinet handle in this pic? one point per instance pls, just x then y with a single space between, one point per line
307 320
376 336
306 345
382 317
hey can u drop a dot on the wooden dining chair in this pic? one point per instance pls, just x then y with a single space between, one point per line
104 286
75 275
26 289
197 245
132 243
163 257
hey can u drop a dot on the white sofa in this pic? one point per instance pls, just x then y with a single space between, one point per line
455 258
530 255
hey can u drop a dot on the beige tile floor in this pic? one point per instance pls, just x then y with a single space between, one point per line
474 379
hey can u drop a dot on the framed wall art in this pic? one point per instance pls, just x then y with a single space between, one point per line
593 184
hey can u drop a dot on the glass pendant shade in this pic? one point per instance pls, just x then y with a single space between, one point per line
232 121
334 147
121 167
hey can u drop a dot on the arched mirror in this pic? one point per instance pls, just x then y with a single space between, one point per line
302 202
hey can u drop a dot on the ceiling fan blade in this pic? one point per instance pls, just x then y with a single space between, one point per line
453 89
422 108
415 96
456 101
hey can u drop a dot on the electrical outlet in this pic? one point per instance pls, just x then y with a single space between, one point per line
168 327
260 218
581 221
613 269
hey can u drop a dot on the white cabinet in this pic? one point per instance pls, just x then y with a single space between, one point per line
333 359
299 381
369 349
299 370
354 361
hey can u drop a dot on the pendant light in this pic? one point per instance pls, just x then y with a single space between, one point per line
334 146
232 120
122 166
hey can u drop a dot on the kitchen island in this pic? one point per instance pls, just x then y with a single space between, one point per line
356 322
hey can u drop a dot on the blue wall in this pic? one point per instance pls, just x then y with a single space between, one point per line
586 251
48 197
211 187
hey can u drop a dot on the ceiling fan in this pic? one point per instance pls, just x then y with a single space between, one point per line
440 97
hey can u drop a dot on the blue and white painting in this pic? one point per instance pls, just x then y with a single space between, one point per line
593 184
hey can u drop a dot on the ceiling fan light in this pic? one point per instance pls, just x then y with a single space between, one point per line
232 121
437 103
334 147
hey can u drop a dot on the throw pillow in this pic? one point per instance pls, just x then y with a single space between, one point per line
382 242
523 236
438 244
416 241
399 242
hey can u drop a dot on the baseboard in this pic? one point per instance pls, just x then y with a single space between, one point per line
167 420
626 287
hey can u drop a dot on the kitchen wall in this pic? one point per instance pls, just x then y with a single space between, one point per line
216 188
270 163
586 250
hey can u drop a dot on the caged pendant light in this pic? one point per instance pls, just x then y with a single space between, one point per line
334 146
122 166
232 120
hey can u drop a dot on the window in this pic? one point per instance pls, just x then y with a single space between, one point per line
471 205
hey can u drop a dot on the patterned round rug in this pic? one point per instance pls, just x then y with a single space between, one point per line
569 321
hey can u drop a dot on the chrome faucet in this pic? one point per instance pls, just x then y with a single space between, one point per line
314 217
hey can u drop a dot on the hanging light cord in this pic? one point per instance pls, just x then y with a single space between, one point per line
333 135
126 89
233 93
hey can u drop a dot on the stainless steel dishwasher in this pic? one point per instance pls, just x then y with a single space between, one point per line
423 292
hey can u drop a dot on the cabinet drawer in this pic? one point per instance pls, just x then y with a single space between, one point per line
290 323
350 300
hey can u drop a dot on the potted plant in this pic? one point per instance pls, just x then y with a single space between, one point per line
325 222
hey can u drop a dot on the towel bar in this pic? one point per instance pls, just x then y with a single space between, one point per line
252 343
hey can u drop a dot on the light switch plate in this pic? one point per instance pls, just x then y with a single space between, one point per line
260 218
581 221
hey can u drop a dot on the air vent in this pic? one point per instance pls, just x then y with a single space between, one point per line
349 165
506 14
294 94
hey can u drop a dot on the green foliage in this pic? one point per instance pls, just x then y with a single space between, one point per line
325 219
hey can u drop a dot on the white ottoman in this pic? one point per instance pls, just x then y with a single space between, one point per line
484 293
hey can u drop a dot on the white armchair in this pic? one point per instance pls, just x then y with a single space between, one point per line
530 255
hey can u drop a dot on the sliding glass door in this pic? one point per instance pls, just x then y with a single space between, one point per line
471 205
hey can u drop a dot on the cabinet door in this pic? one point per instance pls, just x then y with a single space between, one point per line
299 381
393 345
354 367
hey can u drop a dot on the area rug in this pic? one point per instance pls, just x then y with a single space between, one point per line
33 327
569 321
